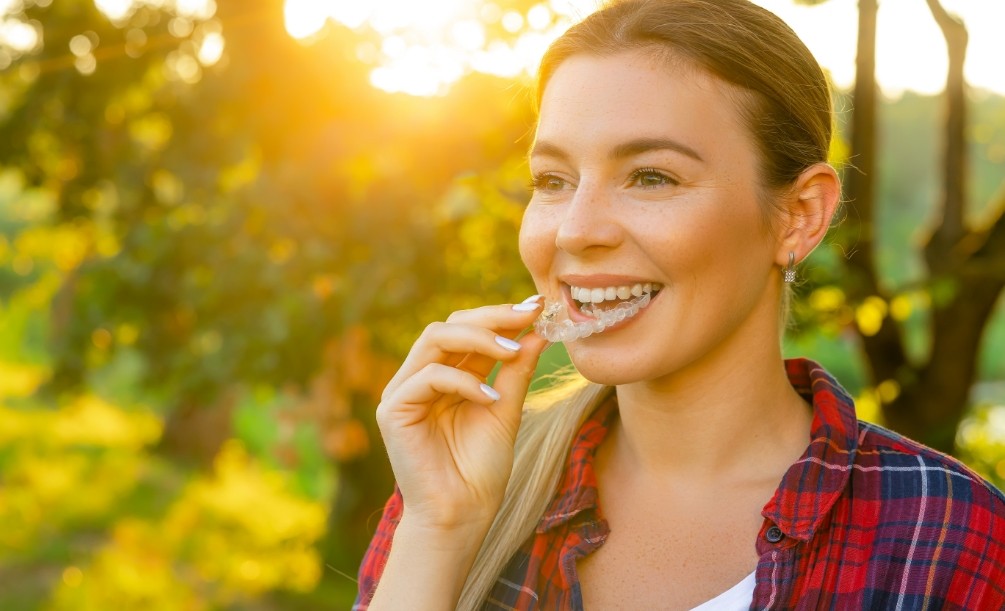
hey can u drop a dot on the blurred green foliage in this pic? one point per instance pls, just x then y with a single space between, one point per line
261 239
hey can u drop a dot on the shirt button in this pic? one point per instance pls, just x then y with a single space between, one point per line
774 534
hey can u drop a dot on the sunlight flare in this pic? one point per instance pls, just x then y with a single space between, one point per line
426 47
429 45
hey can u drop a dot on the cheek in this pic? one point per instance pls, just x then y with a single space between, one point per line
711 241
537 242
681 237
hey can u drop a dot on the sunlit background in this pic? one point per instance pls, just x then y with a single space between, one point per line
222 223
423 47
428 45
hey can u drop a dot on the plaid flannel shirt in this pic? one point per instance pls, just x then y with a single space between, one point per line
865 519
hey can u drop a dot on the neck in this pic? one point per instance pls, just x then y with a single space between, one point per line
718 418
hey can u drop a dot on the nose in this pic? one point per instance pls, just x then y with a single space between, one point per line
588 222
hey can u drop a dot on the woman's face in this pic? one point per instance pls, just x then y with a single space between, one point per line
646 173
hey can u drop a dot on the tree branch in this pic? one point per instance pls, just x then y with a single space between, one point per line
941 252
885 349
992 248
860 180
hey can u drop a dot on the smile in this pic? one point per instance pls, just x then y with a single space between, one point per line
587 296
621 303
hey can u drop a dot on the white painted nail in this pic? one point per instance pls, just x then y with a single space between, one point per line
527 307
507 343
490 392
532 299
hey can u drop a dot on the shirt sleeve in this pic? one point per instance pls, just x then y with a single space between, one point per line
375 558
978 581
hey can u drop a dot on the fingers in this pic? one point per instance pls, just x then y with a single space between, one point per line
443 339
410 401
515 375
474 340
478 363
508 316
514 379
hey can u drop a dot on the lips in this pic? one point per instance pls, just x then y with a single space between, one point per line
602 292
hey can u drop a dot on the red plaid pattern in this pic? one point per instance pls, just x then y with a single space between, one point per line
866 519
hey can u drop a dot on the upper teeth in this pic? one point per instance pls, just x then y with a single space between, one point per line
611 293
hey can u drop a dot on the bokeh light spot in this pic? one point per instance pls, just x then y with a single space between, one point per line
870 314
888 391
180 27
211 49
73 576
901 308
136 40
86 65
115 9
101 338
539 17
512 21
18 35
304 18
80 45
827 299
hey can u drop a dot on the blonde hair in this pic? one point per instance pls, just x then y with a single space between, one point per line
546 434
786 103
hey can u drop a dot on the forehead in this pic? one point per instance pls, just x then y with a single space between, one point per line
592 99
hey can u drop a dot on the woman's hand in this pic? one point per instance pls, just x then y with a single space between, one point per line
448 435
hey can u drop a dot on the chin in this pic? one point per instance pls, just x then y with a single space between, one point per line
607 373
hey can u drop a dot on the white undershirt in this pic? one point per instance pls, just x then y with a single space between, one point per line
737 598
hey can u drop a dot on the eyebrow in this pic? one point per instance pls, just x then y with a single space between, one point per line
623 150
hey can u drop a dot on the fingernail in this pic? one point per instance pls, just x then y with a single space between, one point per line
532 299
527 306
507 343
490 392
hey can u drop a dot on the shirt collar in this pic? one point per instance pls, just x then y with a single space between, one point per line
814 483
578 489
808 490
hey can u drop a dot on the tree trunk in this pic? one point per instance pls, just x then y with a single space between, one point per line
941 252
884 350
965 276
965 267
931 408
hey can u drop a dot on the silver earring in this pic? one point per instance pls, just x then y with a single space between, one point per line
790 271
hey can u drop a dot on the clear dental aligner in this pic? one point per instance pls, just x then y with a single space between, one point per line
554 330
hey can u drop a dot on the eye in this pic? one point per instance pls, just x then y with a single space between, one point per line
650 178
547 182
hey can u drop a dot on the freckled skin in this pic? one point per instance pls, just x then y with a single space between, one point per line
695 226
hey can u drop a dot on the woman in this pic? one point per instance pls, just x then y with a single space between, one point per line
679 171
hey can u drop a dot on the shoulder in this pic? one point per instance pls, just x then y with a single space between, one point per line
907 469
929 506
935 526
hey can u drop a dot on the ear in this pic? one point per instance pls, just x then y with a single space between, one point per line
809 208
